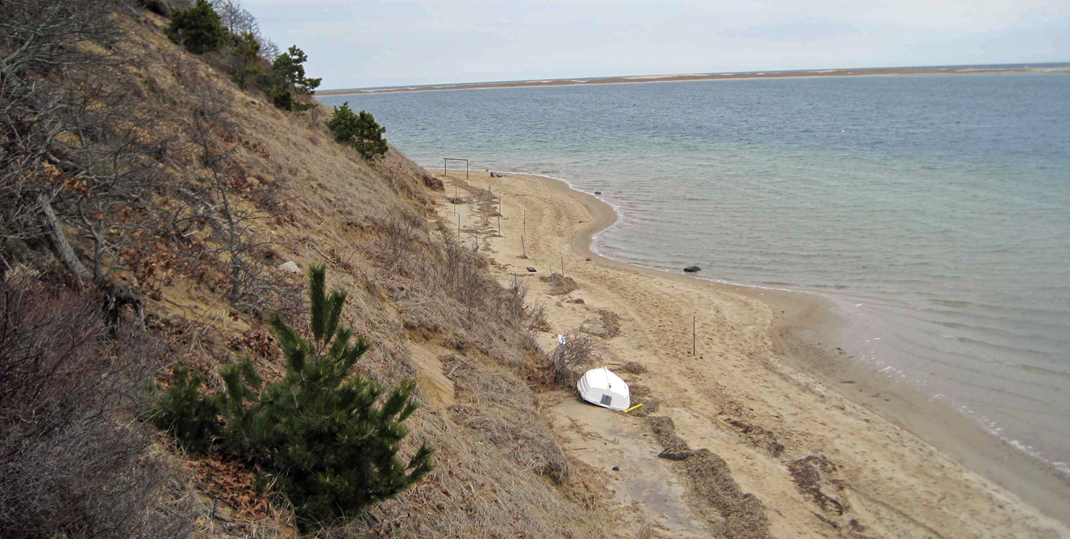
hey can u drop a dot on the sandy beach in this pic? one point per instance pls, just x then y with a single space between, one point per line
760 393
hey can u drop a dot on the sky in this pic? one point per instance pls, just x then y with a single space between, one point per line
360 44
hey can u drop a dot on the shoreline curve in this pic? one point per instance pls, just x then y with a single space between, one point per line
805 338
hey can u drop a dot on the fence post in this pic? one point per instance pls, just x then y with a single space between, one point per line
694 333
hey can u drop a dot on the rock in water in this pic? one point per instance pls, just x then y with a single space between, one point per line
692 269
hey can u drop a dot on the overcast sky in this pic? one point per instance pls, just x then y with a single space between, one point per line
354 44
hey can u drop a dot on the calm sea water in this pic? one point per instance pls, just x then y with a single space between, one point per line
935 210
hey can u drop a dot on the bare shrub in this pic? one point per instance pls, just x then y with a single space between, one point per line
212 207
500 407
399 233
634 367
443 288
559 284
73 459
78 152
570 359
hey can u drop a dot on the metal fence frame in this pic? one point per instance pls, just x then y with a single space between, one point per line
446 160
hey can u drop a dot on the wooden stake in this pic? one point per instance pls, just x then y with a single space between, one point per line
523 247
694 332
458 225
562 265
499 225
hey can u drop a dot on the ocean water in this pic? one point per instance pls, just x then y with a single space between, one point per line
934 209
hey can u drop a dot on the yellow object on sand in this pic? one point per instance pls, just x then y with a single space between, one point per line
640 405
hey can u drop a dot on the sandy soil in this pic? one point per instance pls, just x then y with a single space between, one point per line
821 464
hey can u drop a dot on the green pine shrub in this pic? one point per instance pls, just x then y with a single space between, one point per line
289 80
318 435
198 28
246 60
283 98
358 130
185 412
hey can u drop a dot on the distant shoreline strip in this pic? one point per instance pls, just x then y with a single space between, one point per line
963 70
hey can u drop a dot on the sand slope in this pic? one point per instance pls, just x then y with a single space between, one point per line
821 465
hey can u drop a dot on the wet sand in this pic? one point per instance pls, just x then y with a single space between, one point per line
760 392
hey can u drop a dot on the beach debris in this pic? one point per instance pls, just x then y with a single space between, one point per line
603 388
597 192
578 301
616 468
497 175
290 267
650 404
531 269
588 259
741 514
692 269
674 455
814 476
758 436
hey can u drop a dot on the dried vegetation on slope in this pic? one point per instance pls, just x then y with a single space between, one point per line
238 189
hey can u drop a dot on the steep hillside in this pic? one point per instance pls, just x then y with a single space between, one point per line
245 197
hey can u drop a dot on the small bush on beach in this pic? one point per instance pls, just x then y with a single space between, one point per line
198 28
559 284
318 435
569 359
358 130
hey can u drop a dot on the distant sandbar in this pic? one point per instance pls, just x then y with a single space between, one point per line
1058 68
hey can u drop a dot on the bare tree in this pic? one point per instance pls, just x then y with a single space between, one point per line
268 49
235 18
219 202
38 52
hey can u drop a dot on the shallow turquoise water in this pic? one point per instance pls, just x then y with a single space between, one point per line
935 210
